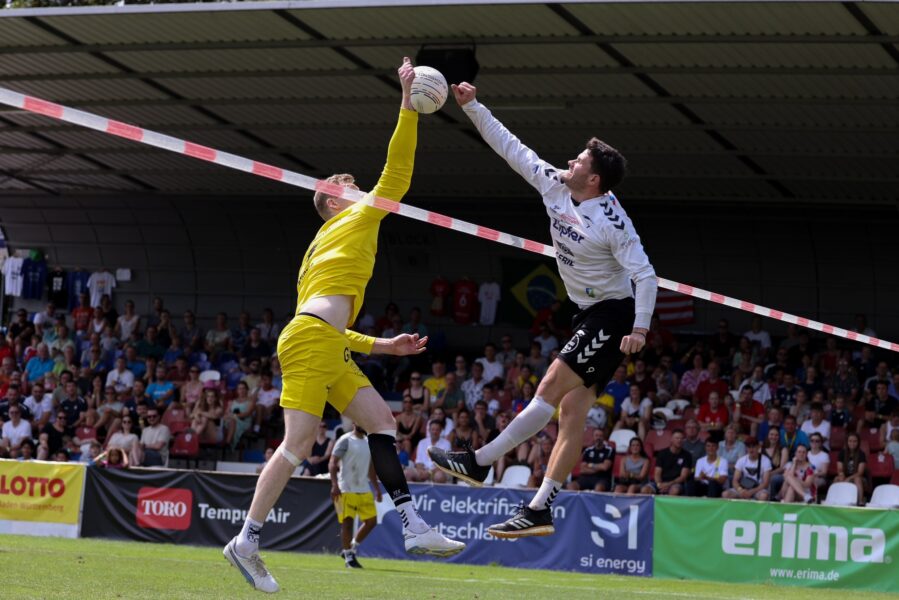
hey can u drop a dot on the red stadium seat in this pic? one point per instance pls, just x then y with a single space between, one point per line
881 466
895 478
832 467
675 424
176 427
616 467
187 445
689 413
657 440
837 438
872 437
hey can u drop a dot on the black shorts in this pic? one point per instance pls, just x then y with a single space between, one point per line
593 352
588 482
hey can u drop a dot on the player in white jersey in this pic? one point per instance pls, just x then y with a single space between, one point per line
352 480
606 273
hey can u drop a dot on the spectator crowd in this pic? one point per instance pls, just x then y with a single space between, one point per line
727 415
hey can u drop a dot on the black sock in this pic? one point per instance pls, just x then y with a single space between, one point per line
388 467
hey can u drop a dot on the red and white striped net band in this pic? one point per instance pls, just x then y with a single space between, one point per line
173 144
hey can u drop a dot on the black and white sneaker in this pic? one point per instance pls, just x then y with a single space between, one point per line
349 558
460 464
526 522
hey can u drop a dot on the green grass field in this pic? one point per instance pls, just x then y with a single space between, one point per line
89 569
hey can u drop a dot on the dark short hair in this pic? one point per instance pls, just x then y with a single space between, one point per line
607 162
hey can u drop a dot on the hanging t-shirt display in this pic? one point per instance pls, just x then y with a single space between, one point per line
488 296
58 288
34 277
440 289
99 284
77 285
465 299
12 275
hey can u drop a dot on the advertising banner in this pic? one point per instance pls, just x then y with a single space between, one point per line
788 544
204 509
40 492
595 533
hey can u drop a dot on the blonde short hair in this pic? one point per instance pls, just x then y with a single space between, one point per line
321 198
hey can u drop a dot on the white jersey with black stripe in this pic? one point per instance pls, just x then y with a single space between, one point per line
598 251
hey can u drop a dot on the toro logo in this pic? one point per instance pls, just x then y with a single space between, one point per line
164 508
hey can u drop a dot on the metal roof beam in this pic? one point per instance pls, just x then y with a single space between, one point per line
758 152
481 41
375 72
496 102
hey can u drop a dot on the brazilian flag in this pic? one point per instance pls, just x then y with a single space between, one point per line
528 287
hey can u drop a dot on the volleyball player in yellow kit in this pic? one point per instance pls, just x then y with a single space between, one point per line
314 352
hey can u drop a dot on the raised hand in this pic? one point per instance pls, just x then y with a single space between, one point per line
464 93
407 75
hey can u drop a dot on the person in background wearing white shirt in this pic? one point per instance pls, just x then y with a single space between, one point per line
819 458
636 414
817 424
351 473
40 404
493 367
473 388
15 431
120 378
710 473
423 468
46 319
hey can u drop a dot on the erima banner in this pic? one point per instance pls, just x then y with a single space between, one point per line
595 533
204 509
788 544
40 492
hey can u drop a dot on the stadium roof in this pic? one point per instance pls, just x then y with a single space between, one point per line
721 101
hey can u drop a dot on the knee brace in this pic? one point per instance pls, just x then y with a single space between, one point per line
289 456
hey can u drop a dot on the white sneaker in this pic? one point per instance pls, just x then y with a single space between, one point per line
431 542
252 568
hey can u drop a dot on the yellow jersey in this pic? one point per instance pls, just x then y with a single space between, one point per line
341 258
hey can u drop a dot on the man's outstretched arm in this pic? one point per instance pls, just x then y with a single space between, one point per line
524 161
397 174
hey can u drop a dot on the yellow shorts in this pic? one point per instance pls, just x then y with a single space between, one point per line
350 505
316 367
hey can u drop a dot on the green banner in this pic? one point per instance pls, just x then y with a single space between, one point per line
785 544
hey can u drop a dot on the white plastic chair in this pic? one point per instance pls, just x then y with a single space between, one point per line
666 412
515 476
677 406
885 496
210 375
841 493
621 438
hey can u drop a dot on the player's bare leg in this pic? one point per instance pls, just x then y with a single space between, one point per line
243 550
473 466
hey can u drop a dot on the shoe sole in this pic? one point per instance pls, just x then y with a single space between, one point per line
228 553
419 551
539 531
465 478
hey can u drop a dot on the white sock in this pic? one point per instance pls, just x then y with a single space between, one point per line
546 494
411 519
529 422
248 539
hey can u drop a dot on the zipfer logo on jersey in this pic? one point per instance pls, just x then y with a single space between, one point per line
164 508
